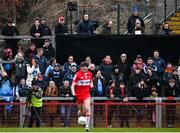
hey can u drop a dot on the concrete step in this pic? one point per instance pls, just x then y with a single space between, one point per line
176 27
178 14
174 23
175 19
176 31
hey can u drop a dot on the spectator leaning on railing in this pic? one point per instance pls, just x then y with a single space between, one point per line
11 30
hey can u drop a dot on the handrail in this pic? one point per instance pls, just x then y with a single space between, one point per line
100 98
24 37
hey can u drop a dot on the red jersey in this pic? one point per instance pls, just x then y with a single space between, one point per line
82 88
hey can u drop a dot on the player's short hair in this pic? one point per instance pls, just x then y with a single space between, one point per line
84 64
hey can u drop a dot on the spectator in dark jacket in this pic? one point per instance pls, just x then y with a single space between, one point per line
106 68
36 31
70 73
93 70
41 61
107 28
124 67
56 75
41 82
20 67
132 21
30 53
67 65
171 91
11 30
159 63
65 110
85 27
21 89
61 28
141 91
99 85
46 29
117 76
110 91
150 63
152 79
135 78
48 50
123 110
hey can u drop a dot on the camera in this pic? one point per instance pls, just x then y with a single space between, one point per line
72 6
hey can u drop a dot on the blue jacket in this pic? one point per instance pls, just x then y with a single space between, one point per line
160 64
42 63
6 87
69 76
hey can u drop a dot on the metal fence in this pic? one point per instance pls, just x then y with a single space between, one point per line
150 112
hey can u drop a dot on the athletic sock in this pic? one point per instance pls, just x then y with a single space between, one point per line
88 120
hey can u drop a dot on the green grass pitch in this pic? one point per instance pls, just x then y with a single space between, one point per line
92 130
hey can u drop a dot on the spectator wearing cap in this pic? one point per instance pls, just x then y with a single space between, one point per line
171 91
48 50
67 65
134 80
152 79
46 29
124 67
133 20
159 63
56 75
11 30
85 27
107 28
61 28
121 92
41 60
30 53
36 31
138 62
69 75
153 94
141 91
150 63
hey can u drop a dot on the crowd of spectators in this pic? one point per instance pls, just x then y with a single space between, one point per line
144 78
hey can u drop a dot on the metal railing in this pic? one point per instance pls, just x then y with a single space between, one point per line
158 104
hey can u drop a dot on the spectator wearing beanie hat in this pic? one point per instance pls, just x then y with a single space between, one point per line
133 19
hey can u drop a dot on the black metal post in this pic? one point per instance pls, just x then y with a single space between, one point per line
176 4
118 20
165 10
70 18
